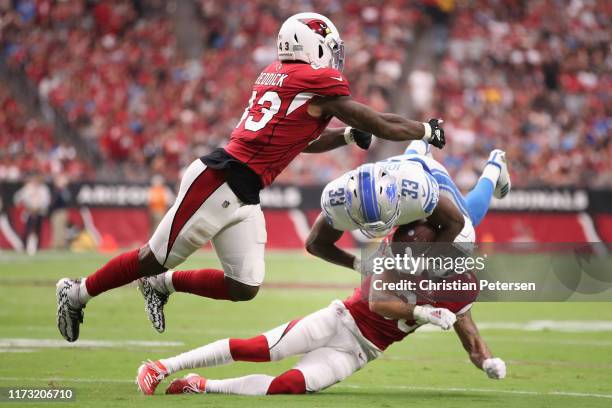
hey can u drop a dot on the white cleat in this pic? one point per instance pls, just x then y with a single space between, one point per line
69 308
155 294
503 186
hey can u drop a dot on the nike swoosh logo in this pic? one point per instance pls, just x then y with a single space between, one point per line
337 78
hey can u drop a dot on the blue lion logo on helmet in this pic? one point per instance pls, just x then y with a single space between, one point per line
391 192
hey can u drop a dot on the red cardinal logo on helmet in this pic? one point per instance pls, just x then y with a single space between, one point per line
318 26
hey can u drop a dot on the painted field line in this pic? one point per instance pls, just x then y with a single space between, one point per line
351 386
426 331
480 390
459 360
8 343
72 380
569 326
565 342
52 330
8 257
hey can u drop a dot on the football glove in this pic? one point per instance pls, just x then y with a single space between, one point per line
495 368
438 316
359 137
434 134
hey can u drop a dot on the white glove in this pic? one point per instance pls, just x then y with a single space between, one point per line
495 368
439 316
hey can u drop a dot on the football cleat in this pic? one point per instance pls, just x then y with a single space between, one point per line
156 295
190 384
150 374
69 308
503 186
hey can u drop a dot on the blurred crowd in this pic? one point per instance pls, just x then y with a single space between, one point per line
534 78
530 77
121 80
27 145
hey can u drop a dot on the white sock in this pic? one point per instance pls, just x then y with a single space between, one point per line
421 146
491 172
167 276
256 384
213 354
83 295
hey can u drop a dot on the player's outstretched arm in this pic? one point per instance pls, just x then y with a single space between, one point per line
477 348
389 305
321 242
337 137
387 126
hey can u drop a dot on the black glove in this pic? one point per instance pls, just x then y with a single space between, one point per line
437 133
361 138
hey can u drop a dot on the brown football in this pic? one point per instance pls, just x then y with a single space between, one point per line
415 235
417 231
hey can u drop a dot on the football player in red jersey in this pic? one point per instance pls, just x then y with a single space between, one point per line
335 342
292 102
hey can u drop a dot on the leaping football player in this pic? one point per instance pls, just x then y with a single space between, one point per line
340 339
291 104
376 197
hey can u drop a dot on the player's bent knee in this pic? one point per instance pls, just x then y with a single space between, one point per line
147 263
239 292
290 382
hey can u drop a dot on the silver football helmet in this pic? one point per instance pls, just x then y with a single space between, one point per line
372 199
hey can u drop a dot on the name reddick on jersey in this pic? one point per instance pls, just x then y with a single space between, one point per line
270 79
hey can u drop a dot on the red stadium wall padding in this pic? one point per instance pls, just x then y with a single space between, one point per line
603 224
18 223
4 243
530 227
129 227
281 231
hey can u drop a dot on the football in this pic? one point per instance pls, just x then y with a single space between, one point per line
417 231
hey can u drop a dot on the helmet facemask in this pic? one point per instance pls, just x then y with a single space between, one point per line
386 200
337 53
379 228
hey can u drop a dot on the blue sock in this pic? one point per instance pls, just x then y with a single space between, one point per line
478 200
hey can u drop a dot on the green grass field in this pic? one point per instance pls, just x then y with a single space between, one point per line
546 368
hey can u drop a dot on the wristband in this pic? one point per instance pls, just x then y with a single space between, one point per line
418 313
348 135
427 136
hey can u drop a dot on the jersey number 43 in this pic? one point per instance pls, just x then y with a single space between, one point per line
270 104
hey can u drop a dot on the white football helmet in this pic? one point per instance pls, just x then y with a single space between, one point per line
372 199
311 38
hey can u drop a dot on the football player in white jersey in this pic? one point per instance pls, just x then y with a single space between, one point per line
376 197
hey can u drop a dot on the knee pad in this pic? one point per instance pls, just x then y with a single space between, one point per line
290 382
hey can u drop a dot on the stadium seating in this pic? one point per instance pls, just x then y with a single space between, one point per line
28 145
122 82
